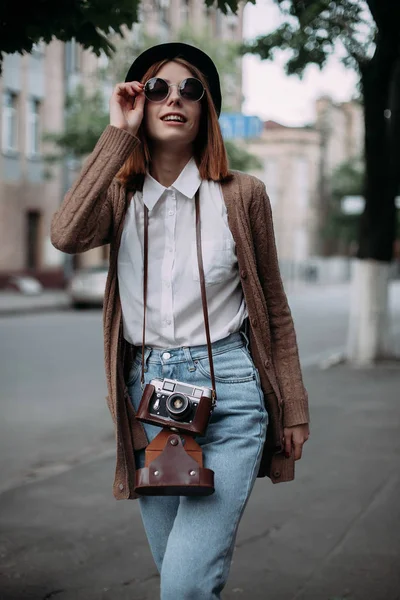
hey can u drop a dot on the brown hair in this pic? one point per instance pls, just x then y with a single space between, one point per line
209 149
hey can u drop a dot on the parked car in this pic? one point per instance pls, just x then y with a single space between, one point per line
29 286
87 286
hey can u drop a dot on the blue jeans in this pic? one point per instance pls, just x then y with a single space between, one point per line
192 537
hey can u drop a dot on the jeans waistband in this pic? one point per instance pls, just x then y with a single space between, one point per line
234 340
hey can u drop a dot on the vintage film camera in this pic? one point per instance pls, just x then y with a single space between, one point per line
178 405
173 460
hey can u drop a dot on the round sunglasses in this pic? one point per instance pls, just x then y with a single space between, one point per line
157 89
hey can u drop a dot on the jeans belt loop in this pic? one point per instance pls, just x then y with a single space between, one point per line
189 359
147 351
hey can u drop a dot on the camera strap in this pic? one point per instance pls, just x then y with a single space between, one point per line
202 287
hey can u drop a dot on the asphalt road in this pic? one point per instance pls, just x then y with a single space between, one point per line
53 409
333 534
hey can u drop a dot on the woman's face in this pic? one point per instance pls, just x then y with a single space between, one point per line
163 131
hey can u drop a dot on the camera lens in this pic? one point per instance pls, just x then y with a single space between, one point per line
178 406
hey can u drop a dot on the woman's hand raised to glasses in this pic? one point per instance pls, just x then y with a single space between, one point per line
126 106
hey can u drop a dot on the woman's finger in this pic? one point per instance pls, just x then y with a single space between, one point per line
139 101
137 86
298 449
288 444
133 87
121 88
127 89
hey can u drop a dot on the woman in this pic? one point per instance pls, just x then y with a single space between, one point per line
162 145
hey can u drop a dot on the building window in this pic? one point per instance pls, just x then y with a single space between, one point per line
72 57
219 24
10 122
163 9
232 26
185 9
33 128
301 173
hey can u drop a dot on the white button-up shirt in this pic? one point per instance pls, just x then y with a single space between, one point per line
174 314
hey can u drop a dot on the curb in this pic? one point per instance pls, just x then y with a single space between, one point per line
32 308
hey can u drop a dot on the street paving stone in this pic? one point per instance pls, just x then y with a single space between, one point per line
333 534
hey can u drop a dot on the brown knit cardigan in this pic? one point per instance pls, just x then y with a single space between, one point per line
92 214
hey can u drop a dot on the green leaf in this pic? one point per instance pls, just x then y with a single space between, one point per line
88 21
240 159
312 30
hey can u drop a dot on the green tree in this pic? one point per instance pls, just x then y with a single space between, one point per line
369 33
341 230
240 159
86 119
90 22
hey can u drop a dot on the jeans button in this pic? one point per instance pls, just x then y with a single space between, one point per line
166 355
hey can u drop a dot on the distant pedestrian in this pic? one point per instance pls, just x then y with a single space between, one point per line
162 147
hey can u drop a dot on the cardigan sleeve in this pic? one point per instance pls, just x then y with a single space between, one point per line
283 337
84 219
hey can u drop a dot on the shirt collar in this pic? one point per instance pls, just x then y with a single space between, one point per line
189 180
187 184
152 191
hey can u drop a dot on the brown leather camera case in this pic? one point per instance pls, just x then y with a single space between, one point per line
174 472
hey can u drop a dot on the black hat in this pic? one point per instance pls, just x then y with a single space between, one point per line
172 50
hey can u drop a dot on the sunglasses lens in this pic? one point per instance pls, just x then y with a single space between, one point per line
156 89
191 89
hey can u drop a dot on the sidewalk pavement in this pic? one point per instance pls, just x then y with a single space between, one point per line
332 534
13 303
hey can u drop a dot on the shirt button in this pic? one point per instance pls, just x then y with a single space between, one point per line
166 355
266 363
121 486
277 474
171 212
168 322
254 322
243 274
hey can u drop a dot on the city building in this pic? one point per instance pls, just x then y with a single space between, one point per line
33 89
32 95
297 165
